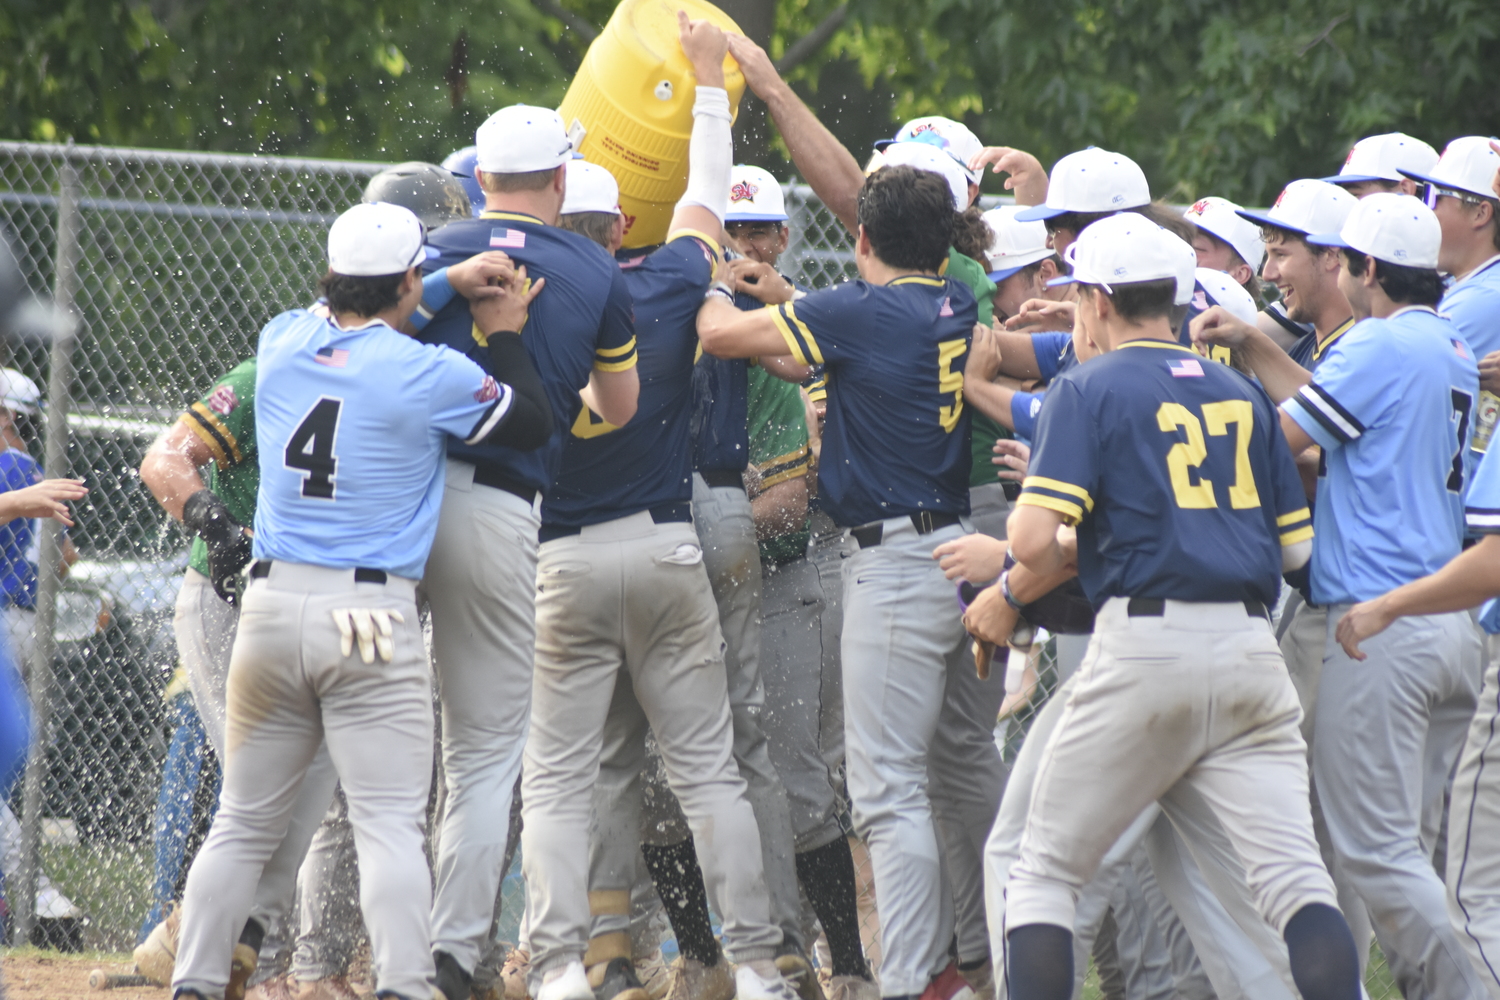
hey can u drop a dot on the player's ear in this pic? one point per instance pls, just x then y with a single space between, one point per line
785 237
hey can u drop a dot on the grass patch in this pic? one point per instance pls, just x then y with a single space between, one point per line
110 882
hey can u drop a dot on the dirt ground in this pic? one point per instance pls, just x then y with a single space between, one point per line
49 975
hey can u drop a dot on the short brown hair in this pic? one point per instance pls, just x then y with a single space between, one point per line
531 180
1141 300
909 217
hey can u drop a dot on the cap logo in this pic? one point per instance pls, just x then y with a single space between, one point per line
1279 198
1121 270
1117 199
1199 207
743 191
1399 254
1350 157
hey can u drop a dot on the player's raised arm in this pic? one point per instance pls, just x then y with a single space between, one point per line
710 150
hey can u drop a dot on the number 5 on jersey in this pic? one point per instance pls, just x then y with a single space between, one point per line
310 449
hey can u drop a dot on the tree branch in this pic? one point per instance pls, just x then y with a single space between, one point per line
1323 35
570 20
808 45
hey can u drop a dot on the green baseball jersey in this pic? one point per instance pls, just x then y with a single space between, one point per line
778 448
986 431
224 419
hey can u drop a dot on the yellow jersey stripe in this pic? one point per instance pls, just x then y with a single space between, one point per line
1058 486
794 347
1293 517
699 234
517 216
615 352
807 335
1161 344
1297 535
212 422
1071 511
916 279
615 366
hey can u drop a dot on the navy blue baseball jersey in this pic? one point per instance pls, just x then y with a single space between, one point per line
610 472
896 439
1309 352
1392 406
580 321
721 442
1176 472
350 429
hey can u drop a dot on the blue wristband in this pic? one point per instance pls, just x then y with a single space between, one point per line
437 291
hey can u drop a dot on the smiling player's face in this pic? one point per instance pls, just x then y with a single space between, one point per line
1300 275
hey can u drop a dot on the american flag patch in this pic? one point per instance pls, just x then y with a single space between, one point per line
333 357
507 239
1186 368
947 308
1460 350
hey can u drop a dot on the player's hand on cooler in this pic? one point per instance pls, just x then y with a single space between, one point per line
43 499
482 275
984 355
371 627
703 42
1489 372
1013 457
1360 623
1218 326
757 280
976 558
1041 316
760 73
1027 178
508 310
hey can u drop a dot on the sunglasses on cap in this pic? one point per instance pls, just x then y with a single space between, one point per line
1430 193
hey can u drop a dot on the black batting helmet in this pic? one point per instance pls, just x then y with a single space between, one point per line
432 194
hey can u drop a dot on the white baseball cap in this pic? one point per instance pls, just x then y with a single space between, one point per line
1383 158
1220 217
1016 244
1306 206
1219 289
376 238
921 156
520 139
953 138
591 188
1395 228
1467 164
754 196
1129 248
1092 180
19 393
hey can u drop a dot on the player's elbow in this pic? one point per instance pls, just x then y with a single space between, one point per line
615 395
714 335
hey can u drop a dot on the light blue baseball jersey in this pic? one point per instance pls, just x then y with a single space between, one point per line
1473 305
351 426
1391 405
1482 517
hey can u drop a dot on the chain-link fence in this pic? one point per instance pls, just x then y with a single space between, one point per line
180 259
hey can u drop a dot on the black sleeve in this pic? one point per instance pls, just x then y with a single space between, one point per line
528 425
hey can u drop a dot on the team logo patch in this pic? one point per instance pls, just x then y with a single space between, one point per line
223 400
507 239
333 357
743 191
489 390
1186 368
947 308
1199 207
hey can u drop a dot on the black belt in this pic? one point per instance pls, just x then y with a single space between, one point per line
665 513
719 478
926 522
262 569
1155 607
488 475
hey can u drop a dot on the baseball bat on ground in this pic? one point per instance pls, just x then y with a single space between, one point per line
101 980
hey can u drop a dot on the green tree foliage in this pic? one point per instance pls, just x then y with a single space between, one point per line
1209 96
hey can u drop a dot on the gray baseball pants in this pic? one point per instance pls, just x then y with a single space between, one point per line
631 596
290 689
1390 729
827 548
1473 821
205 630
480 584
913 737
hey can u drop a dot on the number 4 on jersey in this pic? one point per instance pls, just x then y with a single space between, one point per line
310 449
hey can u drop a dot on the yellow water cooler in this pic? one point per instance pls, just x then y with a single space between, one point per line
630 108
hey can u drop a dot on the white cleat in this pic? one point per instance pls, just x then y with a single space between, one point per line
761 981
568 983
